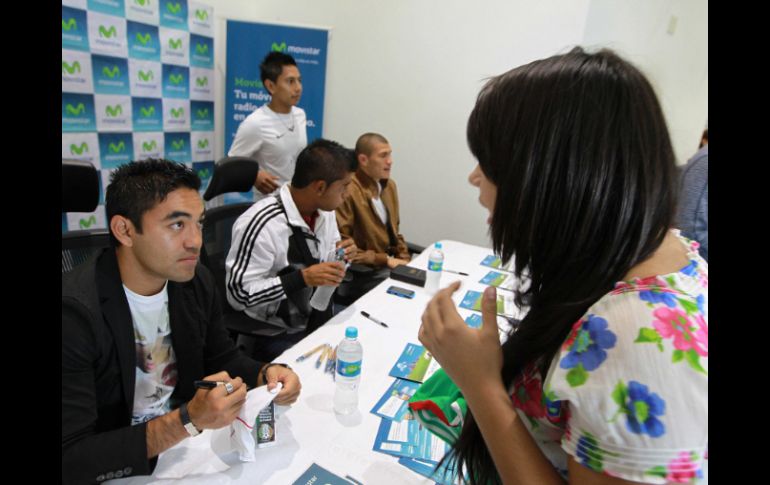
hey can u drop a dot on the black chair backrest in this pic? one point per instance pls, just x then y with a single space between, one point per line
80 193
232 174
79 186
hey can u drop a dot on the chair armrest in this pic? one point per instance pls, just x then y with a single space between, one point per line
414 248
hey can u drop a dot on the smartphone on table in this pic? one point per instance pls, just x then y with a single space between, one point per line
402 292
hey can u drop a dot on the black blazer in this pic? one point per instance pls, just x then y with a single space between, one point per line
99 365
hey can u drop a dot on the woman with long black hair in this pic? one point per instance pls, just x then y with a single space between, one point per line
606 378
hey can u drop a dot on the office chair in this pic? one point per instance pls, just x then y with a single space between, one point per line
231 174
80 193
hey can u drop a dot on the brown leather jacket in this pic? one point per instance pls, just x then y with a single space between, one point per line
357 219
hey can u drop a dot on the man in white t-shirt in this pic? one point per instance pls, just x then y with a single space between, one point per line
275 133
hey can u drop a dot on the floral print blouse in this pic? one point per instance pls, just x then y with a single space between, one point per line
627 394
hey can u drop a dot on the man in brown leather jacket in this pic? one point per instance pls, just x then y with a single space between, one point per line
370 215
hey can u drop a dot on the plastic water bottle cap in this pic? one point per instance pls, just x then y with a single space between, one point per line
437 245
351 332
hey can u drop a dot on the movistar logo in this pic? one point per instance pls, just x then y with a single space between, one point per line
173 7
203 143
70 68
74 110
104 32
175 43
143 38
201 14
201 81
114 111
176 78
86 223
142 2
113 148
177 144
69 24
202 48
145 75
111 72
177 112
203 173
78 150
248 83
149 146
203 113
147 112
279 47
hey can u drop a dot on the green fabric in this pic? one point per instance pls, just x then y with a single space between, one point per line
439 392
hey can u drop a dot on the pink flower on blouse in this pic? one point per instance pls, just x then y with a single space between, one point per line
682 469
687 333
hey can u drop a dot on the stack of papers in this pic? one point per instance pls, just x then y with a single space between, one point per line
399 434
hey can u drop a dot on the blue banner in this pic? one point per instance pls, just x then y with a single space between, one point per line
247 44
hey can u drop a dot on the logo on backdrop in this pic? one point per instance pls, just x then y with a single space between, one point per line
113 113
174 47
201 51
202 145
143 41
176 82
107 34
147 114
173 14
76 73
74 29
202 115
110 75
77 112
177 147
80 146
201 20
146 78
148 145
201 84
176 114
116 149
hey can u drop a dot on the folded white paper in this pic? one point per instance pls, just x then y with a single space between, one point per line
242 428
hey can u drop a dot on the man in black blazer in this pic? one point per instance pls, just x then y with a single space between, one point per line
141 322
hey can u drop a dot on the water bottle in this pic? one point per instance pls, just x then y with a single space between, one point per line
349 353
435 265
323 294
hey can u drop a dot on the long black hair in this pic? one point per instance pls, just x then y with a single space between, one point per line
578 149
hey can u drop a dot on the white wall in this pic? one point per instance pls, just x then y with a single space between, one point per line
411 70
676 62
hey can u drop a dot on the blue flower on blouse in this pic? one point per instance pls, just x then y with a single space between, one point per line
642 410
589 344
658 297
689 270
589 453
700 301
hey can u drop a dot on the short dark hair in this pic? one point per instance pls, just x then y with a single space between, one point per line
365 142
137 187
578 149
272 66
324 160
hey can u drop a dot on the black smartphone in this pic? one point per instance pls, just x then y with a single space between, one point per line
402 292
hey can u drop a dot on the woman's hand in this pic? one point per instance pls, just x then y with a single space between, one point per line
470 356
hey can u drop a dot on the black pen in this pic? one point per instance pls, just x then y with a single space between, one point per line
374 319
207 384
456 272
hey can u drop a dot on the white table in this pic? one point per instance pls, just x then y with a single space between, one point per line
309 431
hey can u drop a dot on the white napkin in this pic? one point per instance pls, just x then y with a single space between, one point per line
242 428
